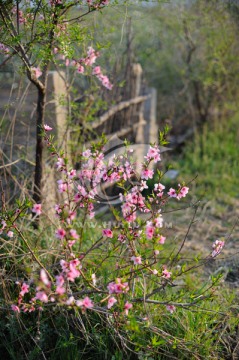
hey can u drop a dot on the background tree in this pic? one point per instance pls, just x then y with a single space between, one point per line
40 34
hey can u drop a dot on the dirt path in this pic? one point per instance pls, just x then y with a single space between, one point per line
212 221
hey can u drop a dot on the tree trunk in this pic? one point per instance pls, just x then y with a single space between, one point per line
41 102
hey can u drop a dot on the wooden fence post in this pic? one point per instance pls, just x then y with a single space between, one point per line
56 117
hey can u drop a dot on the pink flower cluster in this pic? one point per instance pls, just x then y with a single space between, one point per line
153 154
89 60
165 273
86 303
103 78
24 289
21 18
180 193
158 189
71 269
152 227
79 190
118 287
3 226
133 201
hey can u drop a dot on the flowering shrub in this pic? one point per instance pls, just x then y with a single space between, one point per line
124 265
120 270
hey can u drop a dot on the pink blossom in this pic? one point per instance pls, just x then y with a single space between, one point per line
70 301
147 174
127 306
71 216
159 187
107 232
137 260
60 163
73 234
170 308
172 192
47 128
112 300
86 303
63 264
158 221
161 239
121 238
10 234
182 192
60 234
153 153
143 185
62 186
15 308
91 56
80 69
217 246
60 290
105 81
37 209
82 190
166 274
71 174
155 272
72 270
129 212
149 230
42 296
87 153
60 280
74 63
24 289
71 243
118 287
44 278
58 209
36 71
96 70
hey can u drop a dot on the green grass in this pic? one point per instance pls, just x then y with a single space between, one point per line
213 155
